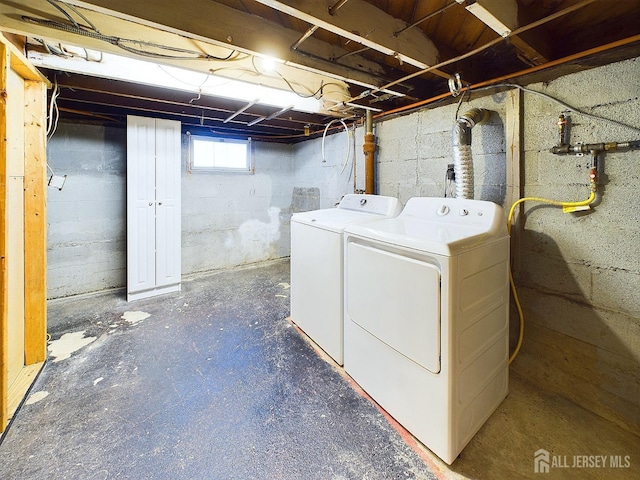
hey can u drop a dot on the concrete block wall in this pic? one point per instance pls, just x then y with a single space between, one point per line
328 176
579 274
227 219
414 151
231 219
86 220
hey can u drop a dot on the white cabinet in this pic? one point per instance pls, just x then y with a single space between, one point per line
153 207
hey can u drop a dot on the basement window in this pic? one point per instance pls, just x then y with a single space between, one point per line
214 154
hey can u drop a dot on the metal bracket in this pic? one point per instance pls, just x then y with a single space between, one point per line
455 85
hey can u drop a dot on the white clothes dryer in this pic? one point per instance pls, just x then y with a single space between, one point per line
426 317
317 265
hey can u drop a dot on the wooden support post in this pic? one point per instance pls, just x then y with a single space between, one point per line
514 169
35 223
4 294
22 227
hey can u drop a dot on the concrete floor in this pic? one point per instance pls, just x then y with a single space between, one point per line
215 383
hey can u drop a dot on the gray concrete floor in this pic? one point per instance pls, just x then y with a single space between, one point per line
216 384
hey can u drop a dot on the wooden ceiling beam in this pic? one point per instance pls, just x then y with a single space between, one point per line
503 16
361 22
219 24
203 25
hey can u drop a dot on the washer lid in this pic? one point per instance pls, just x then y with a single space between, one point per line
353 208
444 226
333 219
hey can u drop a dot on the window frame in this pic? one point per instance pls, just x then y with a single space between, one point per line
247 169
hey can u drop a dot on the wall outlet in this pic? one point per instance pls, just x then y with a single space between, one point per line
57 181
451 174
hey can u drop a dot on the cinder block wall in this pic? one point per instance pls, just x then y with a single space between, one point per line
414 151
578 274
331 178
227 219
231 219
86 220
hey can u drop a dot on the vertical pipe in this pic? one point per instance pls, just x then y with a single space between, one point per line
369 148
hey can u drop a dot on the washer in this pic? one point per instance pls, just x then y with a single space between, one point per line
426 317
317 265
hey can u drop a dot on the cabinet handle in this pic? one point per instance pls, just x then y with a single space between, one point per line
159 203
150 203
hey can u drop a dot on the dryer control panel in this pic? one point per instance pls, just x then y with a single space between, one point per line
479 214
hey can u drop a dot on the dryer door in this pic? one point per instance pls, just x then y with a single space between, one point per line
397 300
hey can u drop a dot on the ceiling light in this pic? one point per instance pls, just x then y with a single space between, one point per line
268 64
143 72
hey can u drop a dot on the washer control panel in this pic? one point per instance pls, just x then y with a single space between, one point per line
376 204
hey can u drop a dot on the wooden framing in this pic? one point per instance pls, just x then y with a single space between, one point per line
23 163
514 166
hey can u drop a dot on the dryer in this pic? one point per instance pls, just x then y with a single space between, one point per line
426 317
317 265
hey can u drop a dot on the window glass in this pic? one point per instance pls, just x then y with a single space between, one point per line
220 154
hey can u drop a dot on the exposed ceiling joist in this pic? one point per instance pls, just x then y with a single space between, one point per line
361 22
215 23
334 55
13 15
503 17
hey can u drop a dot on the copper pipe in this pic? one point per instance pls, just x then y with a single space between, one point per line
435 68
528 71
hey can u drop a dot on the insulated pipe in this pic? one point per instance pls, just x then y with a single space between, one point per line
461 143
369 149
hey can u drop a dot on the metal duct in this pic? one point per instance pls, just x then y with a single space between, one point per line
461 142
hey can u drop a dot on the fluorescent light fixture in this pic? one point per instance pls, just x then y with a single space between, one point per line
144 72
499 15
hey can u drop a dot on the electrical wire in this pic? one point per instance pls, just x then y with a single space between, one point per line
471 53
567 206
123 43
79 13
559 102
455 118
346 160
320 90
324 136
54 112
63 11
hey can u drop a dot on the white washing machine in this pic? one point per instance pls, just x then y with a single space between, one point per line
317 265
426 317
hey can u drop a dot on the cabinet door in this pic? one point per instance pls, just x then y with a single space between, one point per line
141 238
168 194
